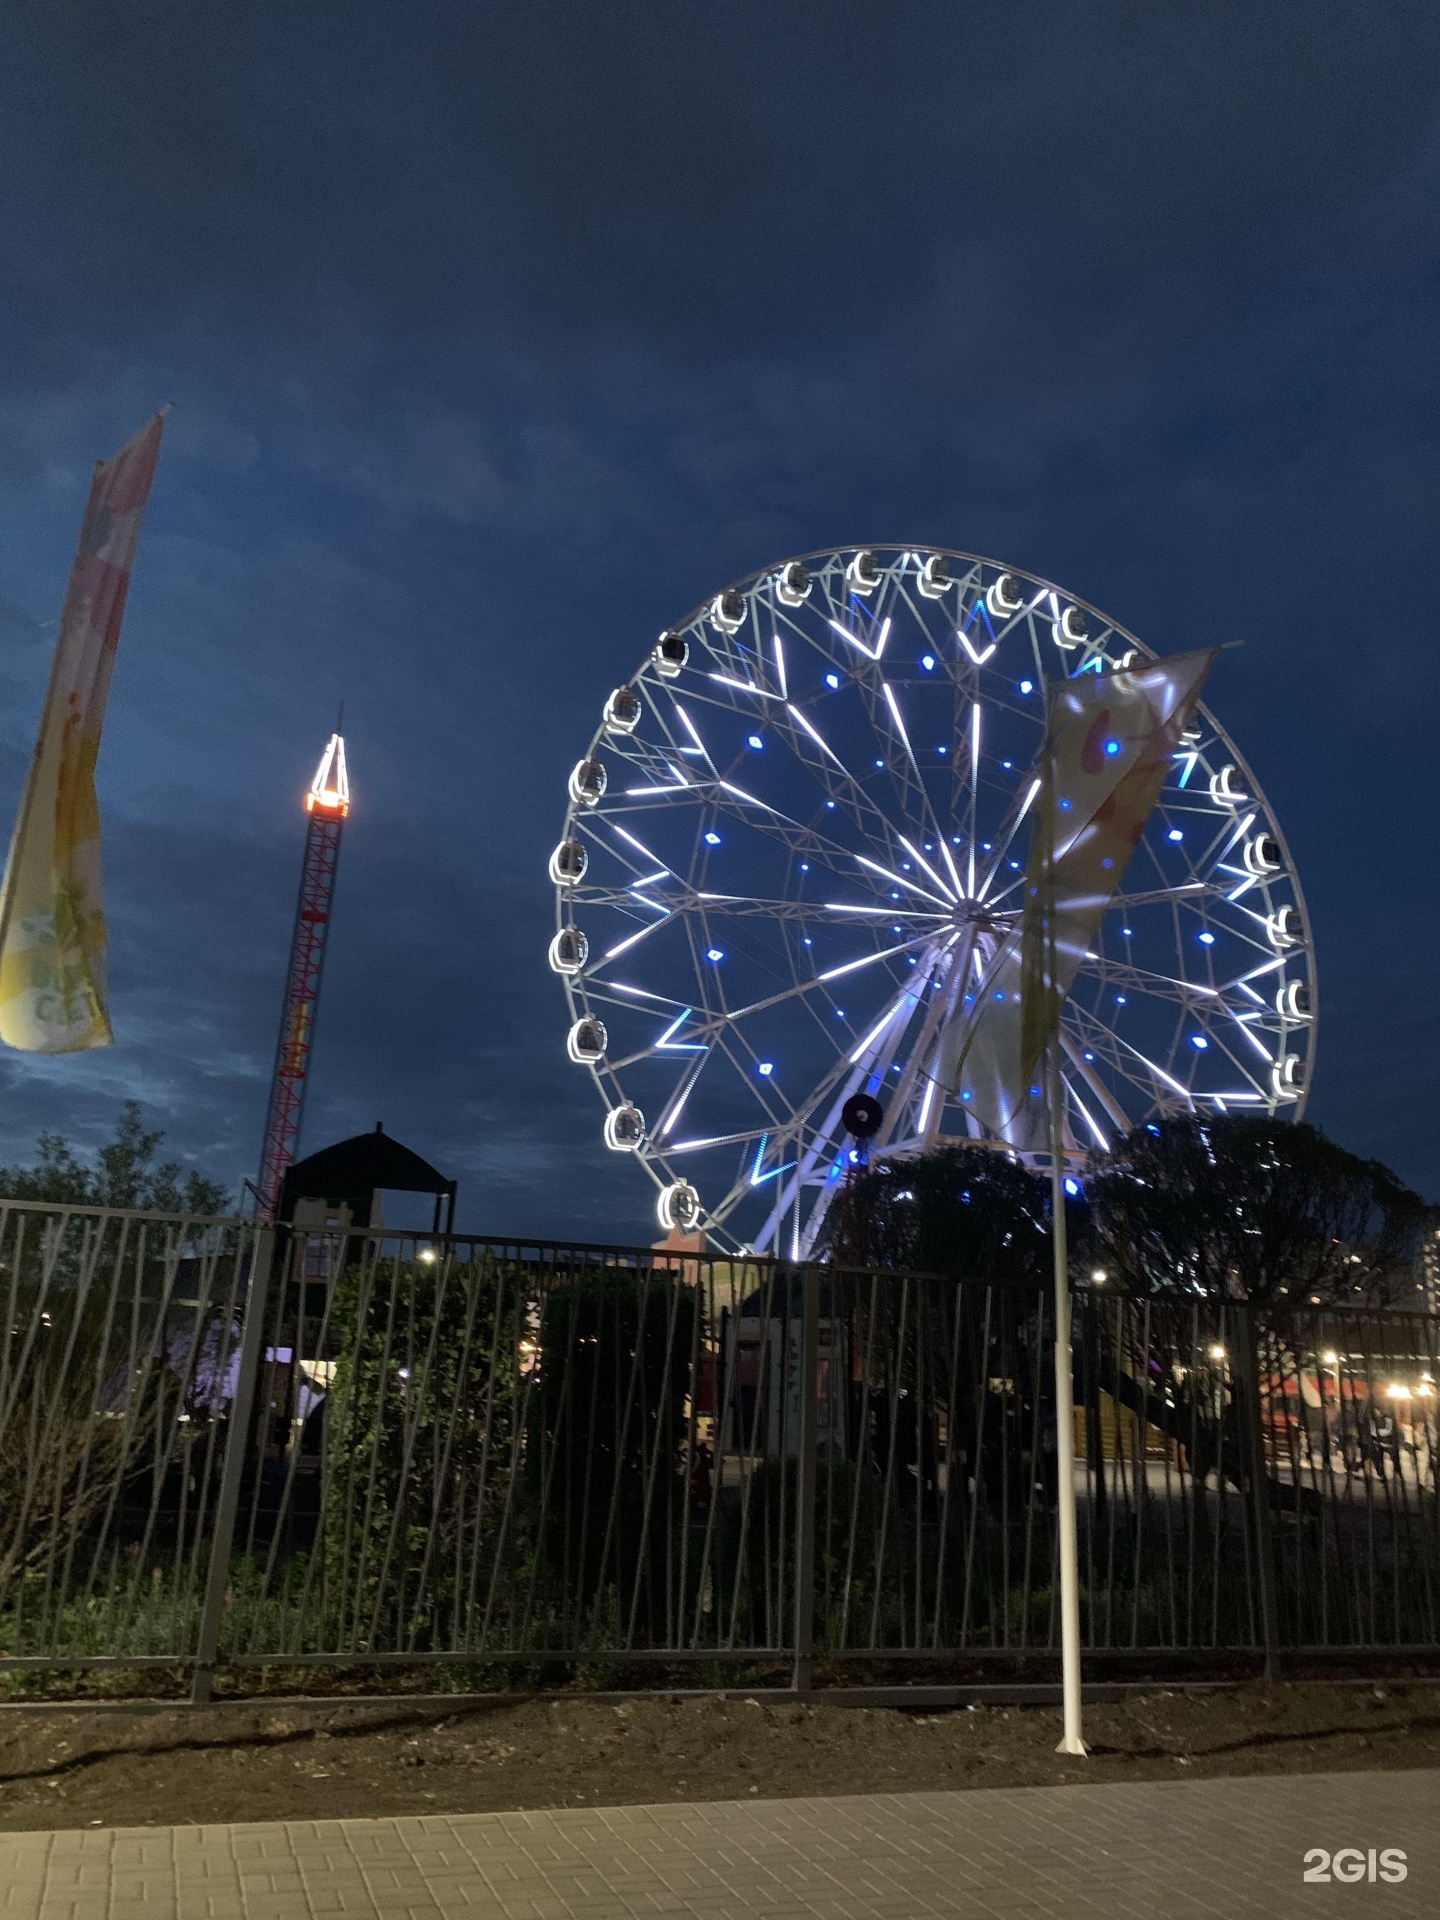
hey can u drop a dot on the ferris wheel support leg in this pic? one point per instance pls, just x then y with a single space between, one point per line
1072 1740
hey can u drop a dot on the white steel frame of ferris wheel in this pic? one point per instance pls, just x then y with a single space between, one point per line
717 1027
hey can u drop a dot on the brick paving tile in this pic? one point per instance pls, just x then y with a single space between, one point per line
1191 1850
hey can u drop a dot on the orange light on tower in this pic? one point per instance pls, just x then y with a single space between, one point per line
327 803
330 789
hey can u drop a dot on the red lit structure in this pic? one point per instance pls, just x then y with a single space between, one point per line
327 803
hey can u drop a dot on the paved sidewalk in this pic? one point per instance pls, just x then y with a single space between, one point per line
1224 1849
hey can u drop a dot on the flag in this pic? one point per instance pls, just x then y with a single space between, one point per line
52 918
1110 741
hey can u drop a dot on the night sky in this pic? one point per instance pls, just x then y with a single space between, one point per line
500 335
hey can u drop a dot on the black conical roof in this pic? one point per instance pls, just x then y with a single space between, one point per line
361 1165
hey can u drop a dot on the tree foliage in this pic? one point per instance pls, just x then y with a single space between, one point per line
124 1174
420 1441
964 1210
607 1435
1251 1208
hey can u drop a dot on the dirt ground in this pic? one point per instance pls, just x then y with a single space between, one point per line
76 1768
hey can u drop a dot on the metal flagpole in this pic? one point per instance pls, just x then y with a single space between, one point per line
1073 1741
1064 1423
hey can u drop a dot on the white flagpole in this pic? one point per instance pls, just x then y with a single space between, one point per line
1064 1423
1072 1741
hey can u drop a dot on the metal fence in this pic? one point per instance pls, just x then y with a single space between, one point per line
231 1445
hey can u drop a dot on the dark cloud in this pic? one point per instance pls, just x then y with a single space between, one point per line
501 335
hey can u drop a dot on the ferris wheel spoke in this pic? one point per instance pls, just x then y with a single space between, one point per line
1185 893
1125 1061
737 803
675 1106
838 781
620 993
1160 986
1083 1068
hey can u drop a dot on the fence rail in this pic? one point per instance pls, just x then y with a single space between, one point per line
228 1445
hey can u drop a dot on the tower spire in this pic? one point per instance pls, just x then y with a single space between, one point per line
327 804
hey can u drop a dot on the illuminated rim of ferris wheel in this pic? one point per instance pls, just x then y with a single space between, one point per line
798 834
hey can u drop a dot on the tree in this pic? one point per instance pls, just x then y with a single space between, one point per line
970 1213
125 1175
420 1447
964 1210
1250 1208
606 1443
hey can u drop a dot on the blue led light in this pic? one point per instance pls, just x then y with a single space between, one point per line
755 741
839 1013
830 803
1027 686
1119 999
712 839
1034 1093
1089 1056
927 660
1206 939
1176 833
804 866
1065 806
1007 765
832 679
1127 931
879 763
765 1069
1199 1040
941 749
806 941
1072 1186
966 1094
999 993
1152 1128
1112 747
715 953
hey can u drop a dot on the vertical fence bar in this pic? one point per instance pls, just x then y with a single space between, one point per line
1253 1454
805 1480
236 1447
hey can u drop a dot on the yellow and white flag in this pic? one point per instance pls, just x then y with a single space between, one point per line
52 917
1110 741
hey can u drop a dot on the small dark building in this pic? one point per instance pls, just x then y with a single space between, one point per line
352 1172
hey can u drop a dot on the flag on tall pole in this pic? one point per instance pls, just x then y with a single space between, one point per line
1109 743
53 996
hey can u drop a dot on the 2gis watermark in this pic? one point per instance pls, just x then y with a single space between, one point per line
1351 1865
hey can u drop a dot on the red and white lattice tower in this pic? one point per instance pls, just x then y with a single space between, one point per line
327 804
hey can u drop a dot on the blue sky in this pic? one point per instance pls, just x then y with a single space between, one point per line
500 335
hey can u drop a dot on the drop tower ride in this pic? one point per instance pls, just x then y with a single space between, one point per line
327 803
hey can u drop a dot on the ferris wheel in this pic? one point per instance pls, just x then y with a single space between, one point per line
798 836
